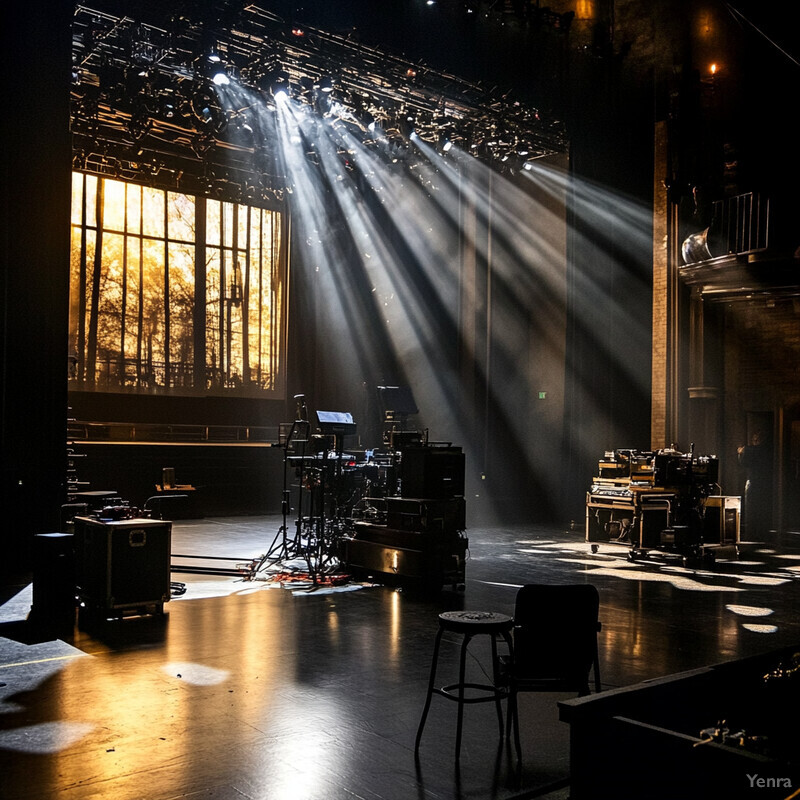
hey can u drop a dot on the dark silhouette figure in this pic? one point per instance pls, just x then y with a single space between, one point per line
756 460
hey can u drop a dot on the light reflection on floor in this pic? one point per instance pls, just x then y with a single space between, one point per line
760 628
44 738
328 690
726 577
750 611
655 577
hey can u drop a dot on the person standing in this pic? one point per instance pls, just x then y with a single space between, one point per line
756 460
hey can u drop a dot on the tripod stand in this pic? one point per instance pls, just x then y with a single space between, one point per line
325 525
316 535
282 548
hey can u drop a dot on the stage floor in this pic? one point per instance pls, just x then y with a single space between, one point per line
248 688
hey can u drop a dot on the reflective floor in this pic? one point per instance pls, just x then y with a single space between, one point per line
252 689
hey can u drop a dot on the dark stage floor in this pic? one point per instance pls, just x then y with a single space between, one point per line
244 689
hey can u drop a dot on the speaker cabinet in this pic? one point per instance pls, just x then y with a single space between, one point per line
123 564
428 516
421 560
432 472
53 579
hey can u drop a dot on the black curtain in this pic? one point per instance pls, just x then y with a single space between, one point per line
34 285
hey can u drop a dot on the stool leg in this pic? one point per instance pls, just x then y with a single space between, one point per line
462 671
431 684
509 716
513 716
514 712
494 682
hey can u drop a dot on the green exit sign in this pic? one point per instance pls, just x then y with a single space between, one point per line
542 395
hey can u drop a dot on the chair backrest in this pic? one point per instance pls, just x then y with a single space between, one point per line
555 633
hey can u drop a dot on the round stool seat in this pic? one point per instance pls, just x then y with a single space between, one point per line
475 622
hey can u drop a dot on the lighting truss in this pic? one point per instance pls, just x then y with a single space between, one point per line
144 106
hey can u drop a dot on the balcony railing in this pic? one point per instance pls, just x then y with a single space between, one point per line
115 374
741 225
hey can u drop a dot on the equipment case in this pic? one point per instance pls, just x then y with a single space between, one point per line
123 564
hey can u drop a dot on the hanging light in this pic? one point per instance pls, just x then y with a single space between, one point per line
211 67
207 112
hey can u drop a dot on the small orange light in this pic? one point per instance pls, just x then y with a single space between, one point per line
713 69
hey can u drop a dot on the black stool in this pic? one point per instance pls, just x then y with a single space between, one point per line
469 624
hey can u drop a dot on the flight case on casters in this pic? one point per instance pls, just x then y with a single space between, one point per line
122 566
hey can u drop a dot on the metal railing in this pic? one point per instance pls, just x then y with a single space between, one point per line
741 224
80 430
113 373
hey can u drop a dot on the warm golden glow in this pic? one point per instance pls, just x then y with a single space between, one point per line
395 622
585 9
134 303
704 24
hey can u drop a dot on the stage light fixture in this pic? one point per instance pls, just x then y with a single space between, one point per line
384 97
217 71
276 82
322 104
207 112
212 67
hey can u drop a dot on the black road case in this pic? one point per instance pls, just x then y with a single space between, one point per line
123 565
